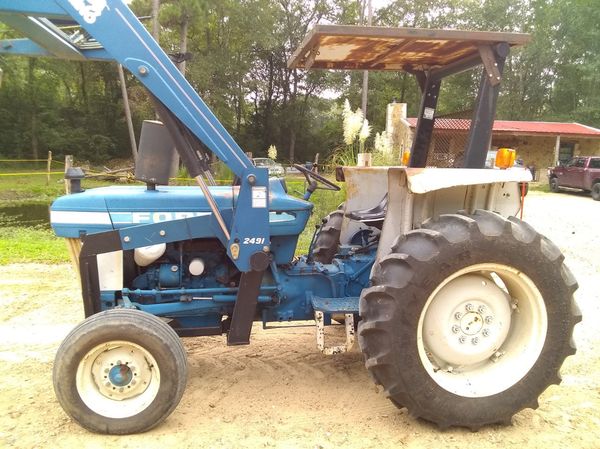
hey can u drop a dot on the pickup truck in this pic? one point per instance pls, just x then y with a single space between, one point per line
581 172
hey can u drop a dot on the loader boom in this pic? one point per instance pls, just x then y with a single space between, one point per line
112 32
119 36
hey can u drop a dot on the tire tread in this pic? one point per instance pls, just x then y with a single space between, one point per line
143 322
447 232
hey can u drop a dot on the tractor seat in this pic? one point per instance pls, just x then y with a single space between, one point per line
373 216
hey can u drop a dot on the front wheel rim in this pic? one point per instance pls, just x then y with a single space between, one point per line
118 379
482 330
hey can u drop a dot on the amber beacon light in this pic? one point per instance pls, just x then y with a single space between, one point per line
505 157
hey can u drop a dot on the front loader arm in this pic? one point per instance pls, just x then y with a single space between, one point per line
119 36
125 40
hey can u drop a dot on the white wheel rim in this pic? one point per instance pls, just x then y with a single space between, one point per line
482 330
118 379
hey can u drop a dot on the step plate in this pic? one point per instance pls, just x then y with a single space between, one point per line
335 305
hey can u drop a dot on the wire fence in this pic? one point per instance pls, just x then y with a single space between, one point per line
125 174
49 161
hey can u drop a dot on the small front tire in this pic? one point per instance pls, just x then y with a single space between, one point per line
120 372
554 186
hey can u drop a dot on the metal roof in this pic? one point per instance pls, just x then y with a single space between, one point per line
382 48
517 127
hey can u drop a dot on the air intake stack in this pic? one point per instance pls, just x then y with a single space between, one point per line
154 164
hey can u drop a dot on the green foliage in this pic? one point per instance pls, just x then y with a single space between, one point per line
383 159
324 201
343 155
223 173
577 74
66 107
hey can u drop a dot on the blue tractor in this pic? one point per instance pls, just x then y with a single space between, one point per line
463 312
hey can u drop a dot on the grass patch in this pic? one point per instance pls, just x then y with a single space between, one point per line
22 188
34 188
21 242
324 202
539 187
36 244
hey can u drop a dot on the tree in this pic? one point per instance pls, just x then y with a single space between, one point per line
575 93
181 14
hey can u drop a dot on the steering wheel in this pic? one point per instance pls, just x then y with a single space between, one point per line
311 177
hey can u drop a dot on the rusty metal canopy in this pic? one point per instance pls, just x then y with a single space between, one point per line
352 47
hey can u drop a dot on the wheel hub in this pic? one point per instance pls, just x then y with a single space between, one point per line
120 375
471 323
482 329
467 322
121 372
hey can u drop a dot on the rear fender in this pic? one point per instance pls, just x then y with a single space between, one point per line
417 194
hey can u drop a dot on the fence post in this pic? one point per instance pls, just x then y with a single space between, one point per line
68 165
48 166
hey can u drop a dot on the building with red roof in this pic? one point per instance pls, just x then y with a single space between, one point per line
517 127
538 144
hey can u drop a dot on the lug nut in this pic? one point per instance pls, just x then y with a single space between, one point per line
497 355
469 307
489 319
481 309
458 315
455 329
485 332
475 340
461 339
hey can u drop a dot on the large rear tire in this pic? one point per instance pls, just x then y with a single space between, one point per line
469 319
119 372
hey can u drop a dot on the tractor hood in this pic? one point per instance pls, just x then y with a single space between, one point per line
107 208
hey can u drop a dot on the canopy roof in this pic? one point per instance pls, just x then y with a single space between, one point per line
353 47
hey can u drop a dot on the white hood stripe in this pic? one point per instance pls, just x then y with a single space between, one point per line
70 217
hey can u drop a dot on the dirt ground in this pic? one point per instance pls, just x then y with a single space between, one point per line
279 391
